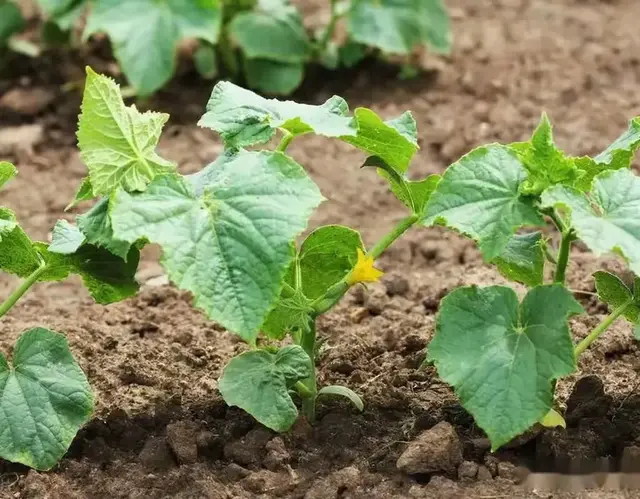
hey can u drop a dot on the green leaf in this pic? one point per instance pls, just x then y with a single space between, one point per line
406 125
620 153
243 118
291 314
343 391
615 293
399 26
96 227
7 221
414 194
206 61
145 34
45 399
11 21
66 238
272 31
84 193
108 278
352 53
7 172
270 77
326 256
608 219
502 357
258 382
117 142
523 259
63 13
480 197
225 233
394 141
545 163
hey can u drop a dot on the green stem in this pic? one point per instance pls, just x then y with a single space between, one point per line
335 293
563 256
601 328
309 393
24 287
331 27
284 143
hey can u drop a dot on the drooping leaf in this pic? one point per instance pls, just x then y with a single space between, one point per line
45 399
502 357
272 31
108 278
243 118
272 77
342 391
394 141
145 34
615 293
258 382
620 153
7 172
406 125
523 259
607 220
226 233
553 419
117 142
545 163
399 26
96 227
480 197
326 256
66 238
414 194
11 21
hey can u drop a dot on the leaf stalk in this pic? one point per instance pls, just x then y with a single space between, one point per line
24 287
601 328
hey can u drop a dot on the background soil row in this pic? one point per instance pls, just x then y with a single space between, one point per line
161 429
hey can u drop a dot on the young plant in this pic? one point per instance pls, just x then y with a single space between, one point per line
44 396
262 41
228 232
502 355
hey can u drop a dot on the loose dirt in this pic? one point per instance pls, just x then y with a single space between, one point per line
161 428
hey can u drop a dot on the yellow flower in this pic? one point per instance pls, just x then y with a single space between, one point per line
363 271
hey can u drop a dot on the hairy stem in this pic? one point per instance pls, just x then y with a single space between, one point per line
601 328
24 287
563 256
309 390
335 293
284 143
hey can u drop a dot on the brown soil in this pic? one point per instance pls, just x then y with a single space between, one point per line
161 429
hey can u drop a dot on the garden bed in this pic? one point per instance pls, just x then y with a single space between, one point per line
161 428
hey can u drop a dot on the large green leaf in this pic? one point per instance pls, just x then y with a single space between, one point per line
606 220
480 197
273 30
502 357
225 233
145 34
118 142
11 21
271 77
45 399
545 163
7 172
243 118
522 259
96 227
258 382
399 26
